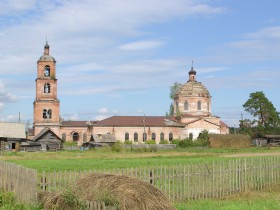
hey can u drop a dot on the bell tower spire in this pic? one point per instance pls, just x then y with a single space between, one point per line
192 74
46 104
46 48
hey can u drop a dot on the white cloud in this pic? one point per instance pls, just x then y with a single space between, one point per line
102 110
267 32
142 45
8 7
5 96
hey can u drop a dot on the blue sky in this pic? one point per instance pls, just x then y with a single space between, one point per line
119 57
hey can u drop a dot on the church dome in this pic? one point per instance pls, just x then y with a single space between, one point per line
193 89
46 58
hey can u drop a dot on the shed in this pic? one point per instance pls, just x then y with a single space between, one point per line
48 140
273 139
11 135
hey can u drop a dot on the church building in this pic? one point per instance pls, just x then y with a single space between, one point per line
192 114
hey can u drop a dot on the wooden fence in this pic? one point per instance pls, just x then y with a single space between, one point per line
18 179
189 182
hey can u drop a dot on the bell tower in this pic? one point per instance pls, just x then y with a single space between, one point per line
46 104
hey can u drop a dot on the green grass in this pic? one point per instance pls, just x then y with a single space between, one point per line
253 200
106 159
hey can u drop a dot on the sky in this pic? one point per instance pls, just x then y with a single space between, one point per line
120 57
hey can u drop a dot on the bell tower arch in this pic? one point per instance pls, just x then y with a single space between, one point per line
46 104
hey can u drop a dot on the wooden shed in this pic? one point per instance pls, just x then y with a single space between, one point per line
48 140
11 136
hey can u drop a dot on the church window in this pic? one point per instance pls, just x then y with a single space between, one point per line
47 71
126 136
208 107
199 105
47 114
63 137
135 137
186 106
177 106
154 136
84 137
170 136
144 136
191 136
47 88
75 136
161 136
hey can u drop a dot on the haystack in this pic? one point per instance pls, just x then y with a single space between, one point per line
125 192
229 141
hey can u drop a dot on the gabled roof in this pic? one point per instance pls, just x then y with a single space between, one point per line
42 133
153 121
202 118
223 124
12 130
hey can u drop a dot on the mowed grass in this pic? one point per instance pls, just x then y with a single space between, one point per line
107 159
252 200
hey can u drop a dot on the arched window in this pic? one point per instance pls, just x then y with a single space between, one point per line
84 137
199 105
154 136
126 136
47 88
208 107
47 114
75 136
161 136
135 137
186 106
191 136
170 136
47 71
63 137
144 136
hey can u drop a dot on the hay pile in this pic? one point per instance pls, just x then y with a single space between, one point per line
125 192
229 141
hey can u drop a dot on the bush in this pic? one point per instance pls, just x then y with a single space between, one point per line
176 141
150 142
200 143
164 142
185 143
128 142
117 147
8 201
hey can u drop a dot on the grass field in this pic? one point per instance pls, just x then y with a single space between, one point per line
252 200
106 159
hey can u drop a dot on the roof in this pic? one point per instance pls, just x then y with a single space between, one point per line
46 58
77 123
223 124
193 88
43 132
152 121
12 130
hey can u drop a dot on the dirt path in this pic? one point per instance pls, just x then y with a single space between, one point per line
276 153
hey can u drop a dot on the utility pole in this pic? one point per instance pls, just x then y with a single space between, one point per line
144 134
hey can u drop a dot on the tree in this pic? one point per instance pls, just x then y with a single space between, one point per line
174 89
263 110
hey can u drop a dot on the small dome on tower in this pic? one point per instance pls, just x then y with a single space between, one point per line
46 56
47 45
